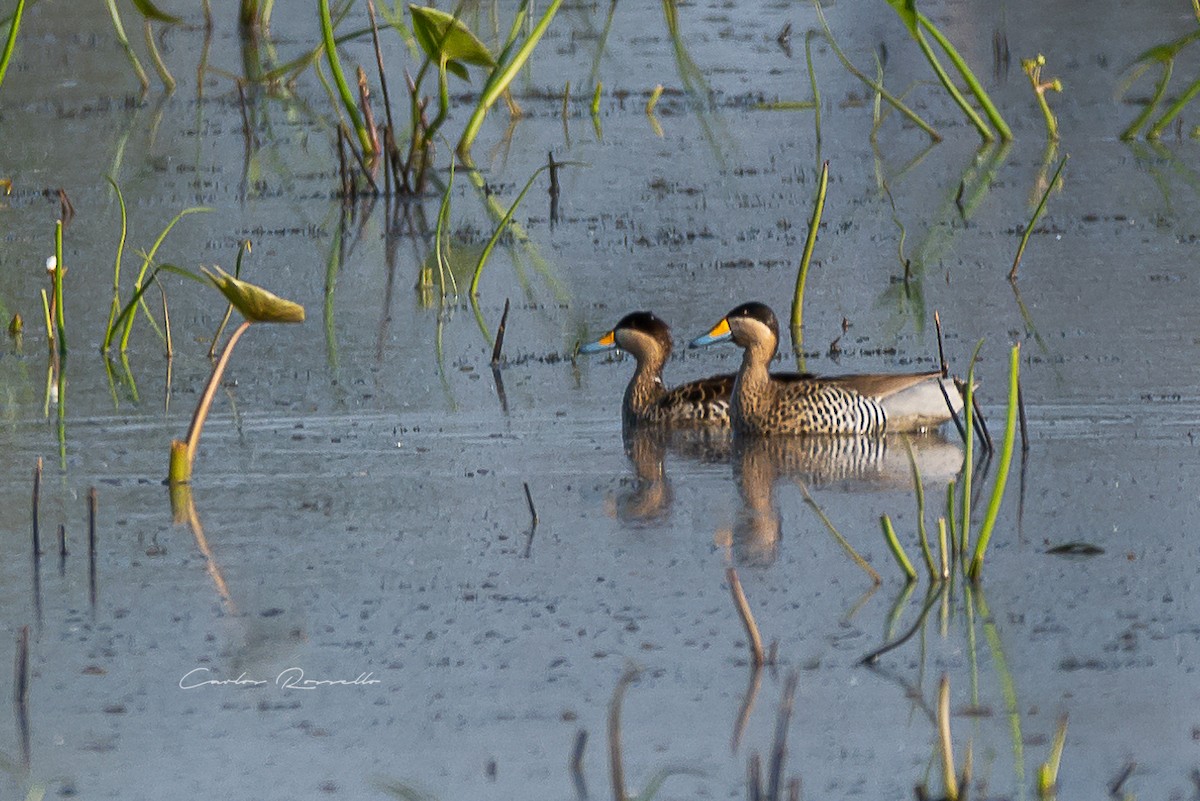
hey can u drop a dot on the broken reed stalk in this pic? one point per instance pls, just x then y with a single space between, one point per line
37 495
500 335
183 452
779 746
1037 212
981 427
947 747
897 550
814 223
1006 452
11 42
575 766
533 515
837 535
387 102
62 541
1048 771
743 610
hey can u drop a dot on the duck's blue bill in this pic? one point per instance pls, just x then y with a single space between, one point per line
606 342
719 333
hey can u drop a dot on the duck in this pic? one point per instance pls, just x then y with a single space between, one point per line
873 404
696 404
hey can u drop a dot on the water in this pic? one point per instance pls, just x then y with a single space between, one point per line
360 484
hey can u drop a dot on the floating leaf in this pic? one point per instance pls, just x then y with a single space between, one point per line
255 303
151 11
443 36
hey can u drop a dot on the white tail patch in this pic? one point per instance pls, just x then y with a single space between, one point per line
921 405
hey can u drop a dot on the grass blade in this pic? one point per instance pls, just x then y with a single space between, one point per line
1006 452
1041 206
502 76
339 78
897 550
806 257
11 43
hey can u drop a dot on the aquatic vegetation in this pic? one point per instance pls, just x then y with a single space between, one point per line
256 305
10 43
1006 452
876 86
897 550
122 320
1037 213
810 243
917 24
1164 56
1033 69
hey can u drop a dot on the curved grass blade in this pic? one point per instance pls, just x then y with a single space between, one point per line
876 86
491 244
1006 452
335 66
502 76
124 40
11 43
149 257
116 299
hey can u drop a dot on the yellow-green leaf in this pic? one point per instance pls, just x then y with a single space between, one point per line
255 303
151 11
441 35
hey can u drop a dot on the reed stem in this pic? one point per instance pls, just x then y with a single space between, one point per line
11 43
897 550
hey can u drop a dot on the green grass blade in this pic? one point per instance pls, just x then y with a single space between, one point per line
1006 452
874 85
921 532
981 96
1041 206
1173 110
502 76
124 40
149 257
116 299
11 42
1159 90
503 225
335 66
897 550
802 274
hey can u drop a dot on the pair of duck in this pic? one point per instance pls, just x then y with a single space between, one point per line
755 401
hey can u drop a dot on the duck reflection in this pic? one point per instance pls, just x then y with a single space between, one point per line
759 463
647 497
842 462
